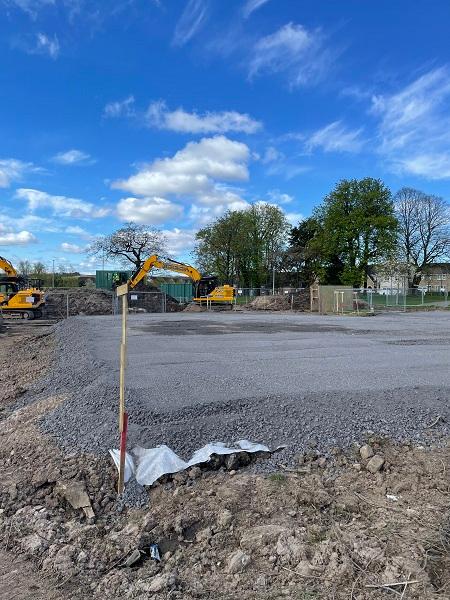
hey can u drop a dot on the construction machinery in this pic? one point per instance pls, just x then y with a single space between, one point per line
17 298
206 290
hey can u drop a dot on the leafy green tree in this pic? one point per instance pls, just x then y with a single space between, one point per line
301 260
244 246
357 227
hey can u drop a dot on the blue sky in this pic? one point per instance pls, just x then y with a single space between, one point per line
169 112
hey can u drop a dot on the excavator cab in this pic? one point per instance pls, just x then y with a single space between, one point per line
205 286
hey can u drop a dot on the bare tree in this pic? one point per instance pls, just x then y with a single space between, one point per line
24 267
131 243
424 229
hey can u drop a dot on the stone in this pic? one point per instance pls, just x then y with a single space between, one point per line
322 462
195 472
366 452
375 463
238 562
33 543
224 518
76 495
159 583
262 535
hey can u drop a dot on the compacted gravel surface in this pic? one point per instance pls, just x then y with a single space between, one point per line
282 379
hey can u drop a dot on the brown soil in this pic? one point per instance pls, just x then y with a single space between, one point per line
327 529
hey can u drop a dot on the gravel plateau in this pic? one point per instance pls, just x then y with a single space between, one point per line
280 379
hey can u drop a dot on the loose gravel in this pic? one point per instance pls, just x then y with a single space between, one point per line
300 380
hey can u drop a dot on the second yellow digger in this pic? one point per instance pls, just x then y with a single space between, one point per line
206 290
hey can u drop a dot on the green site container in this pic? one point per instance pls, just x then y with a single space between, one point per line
104 280
183 292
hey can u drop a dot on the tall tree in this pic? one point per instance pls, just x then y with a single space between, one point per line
301 259
243 246
357 227
424 229
129 245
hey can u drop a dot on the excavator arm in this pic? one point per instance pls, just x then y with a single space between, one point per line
156 262
6 266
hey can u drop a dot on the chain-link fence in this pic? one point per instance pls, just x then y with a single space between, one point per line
69 302
388 299
146 302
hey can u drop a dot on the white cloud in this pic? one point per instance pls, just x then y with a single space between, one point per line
179 241
79 231
120 108
272 154
20 238
30 6
251 5
191 21
72 157
12 169
192 170
210 122
46 45
335 137
32 222
72 248
414 126
279 197
294 50
61 205
294 218
150 211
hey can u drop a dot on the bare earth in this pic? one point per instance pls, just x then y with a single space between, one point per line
323 528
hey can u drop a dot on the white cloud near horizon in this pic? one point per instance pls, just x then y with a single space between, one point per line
61 206
179 120
414 126
72 248
9 237
336 137
73 157
293 50
191 21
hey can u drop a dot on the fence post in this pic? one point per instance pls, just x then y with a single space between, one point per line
67 306
423 296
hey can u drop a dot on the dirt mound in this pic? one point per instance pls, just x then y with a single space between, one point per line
270 303
194 308
296 301
62 302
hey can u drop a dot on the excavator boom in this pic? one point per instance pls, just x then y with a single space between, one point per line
206 289
6 266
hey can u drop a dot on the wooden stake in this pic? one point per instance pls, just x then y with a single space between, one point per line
123 417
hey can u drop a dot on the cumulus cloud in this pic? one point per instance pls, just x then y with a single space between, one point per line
120 108
336 137
179 120
61 206
72 248
191 21
12 170
78 231
73 157
280 197
150 211
15 238
251 5
294 50
192 170
414 126
179 241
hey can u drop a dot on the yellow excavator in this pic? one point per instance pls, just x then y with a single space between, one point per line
206 290
16 298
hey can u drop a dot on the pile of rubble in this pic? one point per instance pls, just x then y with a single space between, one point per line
63 302
296 301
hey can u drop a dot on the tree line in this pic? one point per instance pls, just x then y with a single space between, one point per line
359 225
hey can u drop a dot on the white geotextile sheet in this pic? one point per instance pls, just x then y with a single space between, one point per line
149 464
